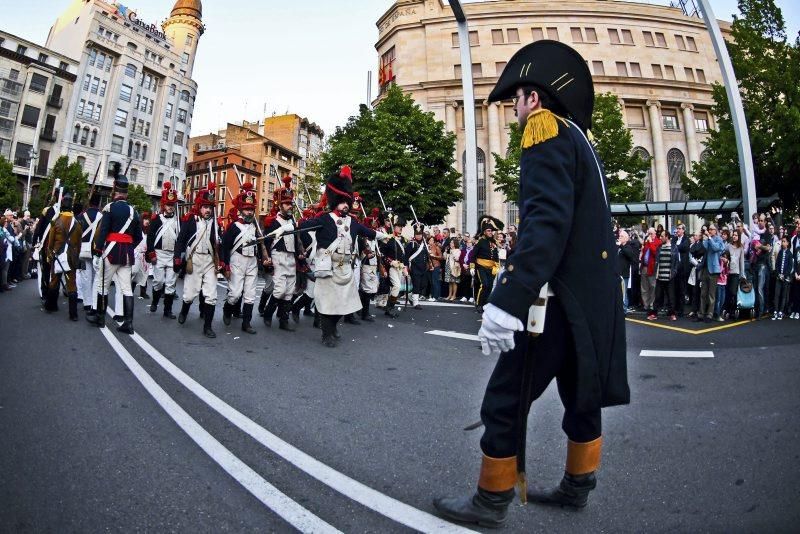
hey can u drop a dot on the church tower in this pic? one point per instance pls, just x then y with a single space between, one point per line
184 28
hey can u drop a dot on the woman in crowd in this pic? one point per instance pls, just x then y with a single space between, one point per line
735 271
435 252
465 287
452 269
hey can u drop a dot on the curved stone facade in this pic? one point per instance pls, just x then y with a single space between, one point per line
659 62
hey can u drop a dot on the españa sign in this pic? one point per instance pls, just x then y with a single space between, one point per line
130 15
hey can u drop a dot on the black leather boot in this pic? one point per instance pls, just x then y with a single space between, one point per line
317 320
573 491
98 318
269 310
302 301
143 292
391 310
208 317
51 300
201 305
237 309
127 325
262 303
156 297
350 318
247 316
307 310
184 312
365 315
73 306
227 313
484 508
168 299
284 307
327 325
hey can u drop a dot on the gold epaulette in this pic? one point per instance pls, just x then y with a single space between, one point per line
542 125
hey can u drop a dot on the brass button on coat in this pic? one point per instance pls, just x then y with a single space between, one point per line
505 281
510 268
604 255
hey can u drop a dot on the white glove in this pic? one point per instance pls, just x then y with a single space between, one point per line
497 330
97 261
381 236
472 272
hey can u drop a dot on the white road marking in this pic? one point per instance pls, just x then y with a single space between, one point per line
677 353
443 305
456 335
353 489
272 497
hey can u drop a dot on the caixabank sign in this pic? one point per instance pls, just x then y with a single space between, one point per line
130 15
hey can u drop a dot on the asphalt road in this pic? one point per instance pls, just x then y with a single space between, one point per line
275 433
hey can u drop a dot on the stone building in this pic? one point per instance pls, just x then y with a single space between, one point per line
658 61
35 83
135 95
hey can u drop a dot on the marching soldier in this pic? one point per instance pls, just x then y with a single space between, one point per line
240 258
304 300
196 254
560 284
369 276
63 254
89 221
120 233
485 259
418 261
394 257
336 289
382 222
161 240
284 252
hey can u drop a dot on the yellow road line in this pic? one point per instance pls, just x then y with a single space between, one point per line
688 331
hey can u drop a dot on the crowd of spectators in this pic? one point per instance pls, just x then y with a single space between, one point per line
711 273
16 247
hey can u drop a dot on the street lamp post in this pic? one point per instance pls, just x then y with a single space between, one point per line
33 154
737 112
470 178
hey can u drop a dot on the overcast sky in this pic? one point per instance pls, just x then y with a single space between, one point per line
308 57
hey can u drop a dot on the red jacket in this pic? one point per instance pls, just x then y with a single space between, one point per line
652 261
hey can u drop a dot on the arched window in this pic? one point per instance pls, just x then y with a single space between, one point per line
480 156
144 152
133 175
93 140
81 161
136 148
648 177
676 164
85 135
76 133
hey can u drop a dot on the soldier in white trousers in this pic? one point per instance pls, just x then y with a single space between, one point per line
89 221
161 240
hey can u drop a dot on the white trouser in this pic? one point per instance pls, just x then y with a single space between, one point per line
164 276
122 281
203 278
395 279
139 272
242 283
86 283
285 275
414 299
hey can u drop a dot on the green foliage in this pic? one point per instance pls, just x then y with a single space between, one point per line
73 179
9 195
402 152
613 142
767 68
139 199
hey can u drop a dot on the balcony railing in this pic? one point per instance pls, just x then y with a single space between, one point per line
49 135
21 162
55 102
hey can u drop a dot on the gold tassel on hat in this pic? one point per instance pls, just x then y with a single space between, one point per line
542 125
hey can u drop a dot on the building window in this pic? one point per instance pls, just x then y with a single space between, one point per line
165 134
121 117
648 176
22 49
75 133
178 138
93 140
701 76
144 152
22 155
599 69
591 35
168 113
42 57
116 144
636 71
689 74
552 33
478 117
613 36
577 35
512 213
185 96
481 158
635 116
86 81
473 38
622 68
657 73
670 119
81 161
627 37
162 159
691 45
130 70
680 42
497 37
125 93
92 56
133 174
103 88
661 40
676 164
172 89
701 121
648 39
538 34
189 39
499 67
30 116
185 58
669 72
176 160
513 35
181 115
38 83
95 85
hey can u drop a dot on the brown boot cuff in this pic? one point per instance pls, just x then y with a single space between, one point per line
498 474
583 458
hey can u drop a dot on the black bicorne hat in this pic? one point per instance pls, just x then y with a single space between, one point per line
487 221
556 69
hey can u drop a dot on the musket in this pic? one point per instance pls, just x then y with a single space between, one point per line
56 184
381 266
430 261
277 232
130 160
264 252
94 182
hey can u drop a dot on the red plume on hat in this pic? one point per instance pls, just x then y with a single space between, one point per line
340 187
346 172
169 196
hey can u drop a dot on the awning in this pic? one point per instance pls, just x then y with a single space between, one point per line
689 207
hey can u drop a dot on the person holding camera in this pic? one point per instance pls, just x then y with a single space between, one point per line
648 259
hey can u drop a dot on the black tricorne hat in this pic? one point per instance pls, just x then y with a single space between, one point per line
556 69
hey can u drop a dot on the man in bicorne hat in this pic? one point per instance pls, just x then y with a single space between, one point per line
161 240
484 263
565 243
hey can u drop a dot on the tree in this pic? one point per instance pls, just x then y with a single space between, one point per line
401 151
139 199
9 195
614 144
73 179
767 68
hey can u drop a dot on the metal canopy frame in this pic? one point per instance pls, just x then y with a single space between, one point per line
688 207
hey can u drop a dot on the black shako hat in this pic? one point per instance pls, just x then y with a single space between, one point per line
339 187
556 69
120 180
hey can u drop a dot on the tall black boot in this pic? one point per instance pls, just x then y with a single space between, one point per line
573 491
488 506
208 316
317 320
270 309
168 299
284 307
51 300
365 315
201 304
327 325
237 309
350 318
127 325
247 316
143 292
307 309
73 306
262 303
227 312
184 312
391 310
156 297
98 318
298 305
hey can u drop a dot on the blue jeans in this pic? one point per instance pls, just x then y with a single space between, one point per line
719 305
624 285
436 282
762 281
